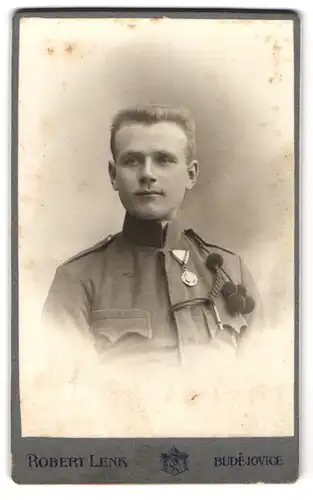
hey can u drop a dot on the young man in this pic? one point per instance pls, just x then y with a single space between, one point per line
153 285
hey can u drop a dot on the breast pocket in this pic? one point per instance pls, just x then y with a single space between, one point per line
114 326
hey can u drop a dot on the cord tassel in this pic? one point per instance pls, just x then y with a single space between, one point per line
217 317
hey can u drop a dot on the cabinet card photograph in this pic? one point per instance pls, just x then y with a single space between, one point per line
155 257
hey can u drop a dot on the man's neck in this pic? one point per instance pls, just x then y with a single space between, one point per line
154 233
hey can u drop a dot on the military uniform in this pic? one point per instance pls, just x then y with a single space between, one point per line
128 294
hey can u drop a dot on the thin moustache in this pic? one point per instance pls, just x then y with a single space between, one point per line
142 192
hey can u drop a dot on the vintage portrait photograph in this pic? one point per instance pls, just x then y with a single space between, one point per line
156 226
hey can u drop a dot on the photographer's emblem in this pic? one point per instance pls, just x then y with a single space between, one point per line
174 462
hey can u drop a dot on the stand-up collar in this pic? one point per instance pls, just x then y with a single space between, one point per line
150 233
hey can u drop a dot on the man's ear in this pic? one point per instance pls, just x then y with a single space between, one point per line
193 172
112 174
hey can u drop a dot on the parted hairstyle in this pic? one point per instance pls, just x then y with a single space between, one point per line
155 113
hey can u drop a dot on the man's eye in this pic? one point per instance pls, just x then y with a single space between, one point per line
165 159
131 161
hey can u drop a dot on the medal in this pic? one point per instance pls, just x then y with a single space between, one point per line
182 257
189 278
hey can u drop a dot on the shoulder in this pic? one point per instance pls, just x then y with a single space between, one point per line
94 249
88 256
201 242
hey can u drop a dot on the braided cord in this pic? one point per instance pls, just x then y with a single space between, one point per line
218 283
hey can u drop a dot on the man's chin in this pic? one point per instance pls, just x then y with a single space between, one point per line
149 215
152 217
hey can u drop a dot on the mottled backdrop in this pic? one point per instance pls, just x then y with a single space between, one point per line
236 77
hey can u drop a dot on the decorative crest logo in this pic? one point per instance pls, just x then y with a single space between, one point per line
174 462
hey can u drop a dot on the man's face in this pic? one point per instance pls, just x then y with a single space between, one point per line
151 172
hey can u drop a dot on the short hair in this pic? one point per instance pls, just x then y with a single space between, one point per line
155 113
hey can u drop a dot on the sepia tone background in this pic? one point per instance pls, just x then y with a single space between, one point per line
236 77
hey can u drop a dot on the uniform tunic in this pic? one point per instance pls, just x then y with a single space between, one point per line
127 292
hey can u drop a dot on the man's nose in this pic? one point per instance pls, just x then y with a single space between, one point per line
146 173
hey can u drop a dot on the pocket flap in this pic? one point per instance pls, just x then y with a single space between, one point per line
117 323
